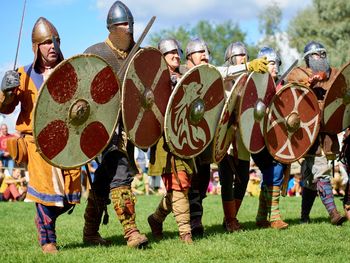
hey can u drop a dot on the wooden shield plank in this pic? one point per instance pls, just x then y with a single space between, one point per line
76 111
145 94
227 127
256 96
194 110
336 110
292 123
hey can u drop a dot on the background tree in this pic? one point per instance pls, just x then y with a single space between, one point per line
270 25
326 22
217 36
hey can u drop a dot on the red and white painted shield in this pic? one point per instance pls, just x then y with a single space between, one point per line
194 110
256 96
336 111
292 123
76 111
145 95
226 128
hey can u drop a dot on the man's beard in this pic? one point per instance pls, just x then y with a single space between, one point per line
121 39
319 65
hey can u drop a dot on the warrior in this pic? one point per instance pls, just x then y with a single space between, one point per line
234 168
272 171
117 169
316 172
176 172
53 190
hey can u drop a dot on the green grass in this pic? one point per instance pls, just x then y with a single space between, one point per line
315 242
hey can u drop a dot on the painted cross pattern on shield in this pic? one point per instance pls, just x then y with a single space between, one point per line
285 145
225 131
336 113
201 84
259 91
83 78
146 92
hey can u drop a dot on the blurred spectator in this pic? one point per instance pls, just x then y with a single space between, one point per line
141 159
14 187
214 187
5 157
253 188
294 187
85 183
339 179
139 185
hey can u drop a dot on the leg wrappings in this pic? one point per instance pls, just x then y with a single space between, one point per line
181 210
163 209
262 210
324 189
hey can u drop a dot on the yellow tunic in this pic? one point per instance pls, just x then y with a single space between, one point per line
47 185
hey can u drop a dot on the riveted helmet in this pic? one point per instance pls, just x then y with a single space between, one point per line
270 54
119 13
169 44
43 30
196 45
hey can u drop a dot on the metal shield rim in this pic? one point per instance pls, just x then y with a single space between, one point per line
170 102
123 96
63 62
287 86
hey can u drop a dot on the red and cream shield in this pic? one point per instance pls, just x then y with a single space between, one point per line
256 96
76 111
226 128
336 111
145 95
194 110
292 123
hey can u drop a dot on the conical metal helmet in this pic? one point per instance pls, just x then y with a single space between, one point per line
120 13
43 30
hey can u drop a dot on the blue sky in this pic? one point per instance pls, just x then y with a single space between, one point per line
82 23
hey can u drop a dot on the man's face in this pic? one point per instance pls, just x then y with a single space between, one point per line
240 59
117 28
48 53
4 130
318 55
199 57
172 58
273 69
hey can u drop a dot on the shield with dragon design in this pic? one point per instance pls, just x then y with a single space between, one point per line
292 123
194 110
145 94
336 110
227 125
255 97
76 111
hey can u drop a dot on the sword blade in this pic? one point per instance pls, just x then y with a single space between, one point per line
136 46
19 34
286 72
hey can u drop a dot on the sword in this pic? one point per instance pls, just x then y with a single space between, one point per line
286 72
20 34
136 47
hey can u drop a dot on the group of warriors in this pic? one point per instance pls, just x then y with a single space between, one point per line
55 188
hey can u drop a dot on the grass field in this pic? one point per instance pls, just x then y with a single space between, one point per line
315 242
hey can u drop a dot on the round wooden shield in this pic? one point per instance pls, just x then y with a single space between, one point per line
194 110
292 123
256 96
145 94
336 111
76 112
225 130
